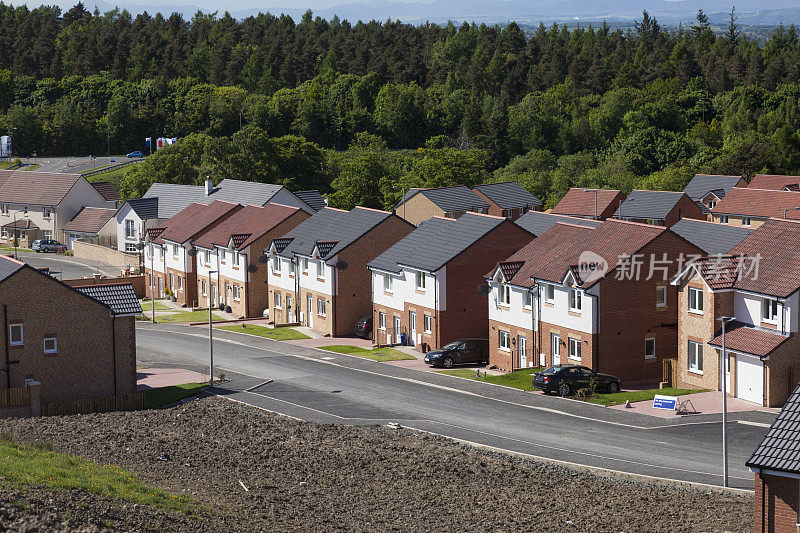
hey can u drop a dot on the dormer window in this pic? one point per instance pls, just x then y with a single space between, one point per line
4 209
207 257
420 281
235 258
321 269
46 212
711 204
505 295
769 310
575 299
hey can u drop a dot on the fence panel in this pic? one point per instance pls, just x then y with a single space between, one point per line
669 373
128 402
15 397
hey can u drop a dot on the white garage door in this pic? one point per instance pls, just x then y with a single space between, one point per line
72 238
749 379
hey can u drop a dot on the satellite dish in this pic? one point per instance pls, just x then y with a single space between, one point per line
484 290
252 269
263 259
192 252
140 246
341 265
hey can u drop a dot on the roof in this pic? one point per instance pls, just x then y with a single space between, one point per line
537 222
654 205
744 338
37 188
90 219
120 297
436 242
449 199
580 202
23 223
507 194
106 190
245 226
780 448
329 225
145 208
757 202
711 237
173 198
9 266
702 184
312 199
193 220
774 182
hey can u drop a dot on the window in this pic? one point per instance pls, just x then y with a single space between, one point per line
160 252
382 320
420 281
204 288
50 345
505 340
48 234
711 204
25 209
222 255
305 265
180 282
388 282
46 212
276 264
4 233
723 219
321 269
695 300
549 293
505 295
15 335
130 247
277 303
769 310
206 257
321 310
426 323
528 300
574 299
292 266
746 221
695 357
575 349
4 209
171 281
130 229
236 262
661 296
649 348
236 292
506 213
174 250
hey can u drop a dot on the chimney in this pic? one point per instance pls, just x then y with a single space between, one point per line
209 186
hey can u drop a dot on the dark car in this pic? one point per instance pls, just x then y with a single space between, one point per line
458 352
364 328
135 154
48 245
566 379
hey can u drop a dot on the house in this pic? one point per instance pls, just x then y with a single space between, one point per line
597 204
37 205
777 471
77 342
508 199
537 222
169 258
706 190
318 272
756 284
426 285
91 225
659 208
752 207
775 182
419 205
711 237
232 249
133 219
599 297
107 191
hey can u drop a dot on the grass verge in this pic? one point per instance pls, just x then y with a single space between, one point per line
519 379
147 305
168 395
22 465
11 249
638 395
187 316
376 354
277 334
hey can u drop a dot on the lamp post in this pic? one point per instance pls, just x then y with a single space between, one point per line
210 331
595 200
725 320
628 199
152 281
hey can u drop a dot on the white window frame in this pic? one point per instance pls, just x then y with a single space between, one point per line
276 264
236 260
575 297
4 209
305 265
320 270
388 283
204 288
54 349
221 253
694 362
175 251
292 266
723 219
180 283
697 295
130 229
661 296
712 204
574 349
527 300
549 293
504 340
505 295
47 212
236 292
130 246
769 310
11 340
419 281
207 257
277 301
647 354
322 308
382 320
427 323
746 222
161 252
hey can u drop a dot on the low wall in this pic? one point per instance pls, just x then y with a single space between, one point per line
136 281
111 256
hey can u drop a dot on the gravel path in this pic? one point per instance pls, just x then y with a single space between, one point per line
310 477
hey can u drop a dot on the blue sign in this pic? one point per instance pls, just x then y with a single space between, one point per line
665 402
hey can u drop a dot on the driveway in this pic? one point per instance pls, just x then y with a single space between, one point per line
63 267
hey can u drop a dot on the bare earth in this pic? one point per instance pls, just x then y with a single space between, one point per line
310 477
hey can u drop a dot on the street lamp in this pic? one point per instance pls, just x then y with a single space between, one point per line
152 280
595 200
210 330
628 199
725 320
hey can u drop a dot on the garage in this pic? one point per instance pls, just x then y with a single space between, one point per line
750 378
71 238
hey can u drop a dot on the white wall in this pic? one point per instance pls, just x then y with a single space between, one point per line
405 290
559 314
284 281
311 280
157 260
285 197
747 308
513 314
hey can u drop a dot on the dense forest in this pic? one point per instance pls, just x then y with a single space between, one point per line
363 110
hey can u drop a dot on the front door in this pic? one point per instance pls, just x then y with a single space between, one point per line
397 330
727 376
522 351
213 295
310 319
289 317
555 339
412 327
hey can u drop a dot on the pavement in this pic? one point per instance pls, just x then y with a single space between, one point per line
64 267
703 403
331 388
153 378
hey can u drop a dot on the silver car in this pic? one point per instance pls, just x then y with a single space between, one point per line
48 245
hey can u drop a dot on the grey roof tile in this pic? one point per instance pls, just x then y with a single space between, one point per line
655 205
312 199
702 184
8 267
145 208
711 237
780 448
120 297
173 198
508 194
537 222
449 199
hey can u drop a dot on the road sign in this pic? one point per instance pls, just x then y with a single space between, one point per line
665 402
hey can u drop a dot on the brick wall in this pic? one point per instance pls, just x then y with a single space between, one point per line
379 336
776 509
685 208
509 360
110 256
138 282
778 371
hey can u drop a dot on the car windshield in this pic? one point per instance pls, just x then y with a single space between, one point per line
452 346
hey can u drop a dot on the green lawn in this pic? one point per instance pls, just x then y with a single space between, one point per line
519 379
147 305
4 165
32 166
639 395
114 176
169 395
22 466
186 316
11 249
376 354
277 334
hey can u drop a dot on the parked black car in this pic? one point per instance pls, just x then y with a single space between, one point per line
460 352
364 328
566 379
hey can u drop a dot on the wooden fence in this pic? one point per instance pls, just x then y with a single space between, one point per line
669 371
127 402
15 397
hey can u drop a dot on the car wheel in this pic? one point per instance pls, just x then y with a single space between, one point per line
564 389
447 362
613 387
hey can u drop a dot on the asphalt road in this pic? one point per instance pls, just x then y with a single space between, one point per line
71 165
64 267
331 388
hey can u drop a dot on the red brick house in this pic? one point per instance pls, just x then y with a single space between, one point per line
752 207
775 182
598 204
507 199
77 342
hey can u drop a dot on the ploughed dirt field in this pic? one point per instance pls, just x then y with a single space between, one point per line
307 477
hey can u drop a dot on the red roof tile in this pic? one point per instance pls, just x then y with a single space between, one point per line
774 182
761 203
578 202
776 247
106 190
90 219
740 337
719 272
23 223
36 188
245 226
193 220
